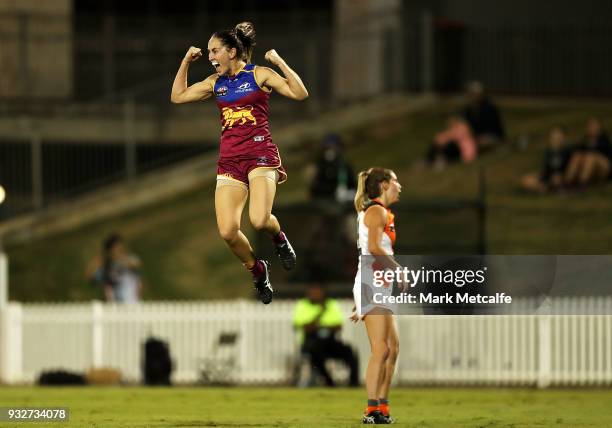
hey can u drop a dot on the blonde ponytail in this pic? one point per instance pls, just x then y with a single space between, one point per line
360 194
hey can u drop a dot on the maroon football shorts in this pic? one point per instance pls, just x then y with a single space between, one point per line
239 167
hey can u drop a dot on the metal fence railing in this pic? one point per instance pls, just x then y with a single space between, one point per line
36 173
487 350
566 61
535 59
89 56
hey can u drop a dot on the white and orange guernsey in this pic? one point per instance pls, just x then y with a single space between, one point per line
365 269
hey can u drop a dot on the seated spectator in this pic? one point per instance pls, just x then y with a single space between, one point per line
117 271
334 177
453 144
590 161
483 117
318 320
554 164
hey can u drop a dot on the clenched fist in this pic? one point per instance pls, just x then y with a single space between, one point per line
273 57
193 54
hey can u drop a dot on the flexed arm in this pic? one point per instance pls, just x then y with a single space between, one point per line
290 86
181 92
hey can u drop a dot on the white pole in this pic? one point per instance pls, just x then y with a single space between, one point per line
3 263
3 279
11 346
544 369
5 339
97 338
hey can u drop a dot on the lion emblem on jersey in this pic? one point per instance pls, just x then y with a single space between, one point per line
240 116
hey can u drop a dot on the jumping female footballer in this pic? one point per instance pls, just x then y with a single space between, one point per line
248 160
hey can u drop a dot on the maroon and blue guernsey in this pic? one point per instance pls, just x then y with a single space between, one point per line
246 142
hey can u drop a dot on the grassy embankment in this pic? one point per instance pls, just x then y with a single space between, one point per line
184 259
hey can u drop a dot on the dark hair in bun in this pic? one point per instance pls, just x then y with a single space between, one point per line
241 38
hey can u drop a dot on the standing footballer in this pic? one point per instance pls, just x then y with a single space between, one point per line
377 190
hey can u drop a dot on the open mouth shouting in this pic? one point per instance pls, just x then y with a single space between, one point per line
216 65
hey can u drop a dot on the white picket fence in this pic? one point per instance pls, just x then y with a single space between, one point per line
493 350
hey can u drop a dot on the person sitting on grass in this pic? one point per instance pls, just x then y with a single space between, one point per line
483 117
590 162
454 144
554 164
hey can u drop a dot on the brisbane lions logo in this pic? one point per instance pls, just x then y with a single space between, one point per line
240 115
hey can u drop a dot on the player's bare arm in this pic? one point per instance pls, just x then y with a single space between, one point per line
290 86
375 219
181 91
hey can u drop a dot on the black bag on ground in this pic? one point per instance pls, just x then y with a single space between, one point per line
157 365
61 377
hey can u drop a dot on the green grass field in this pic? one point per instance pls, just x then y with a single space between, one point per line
283 407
